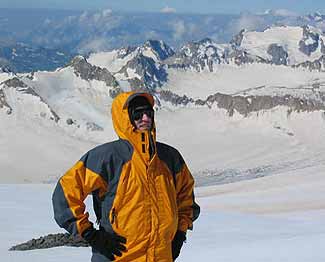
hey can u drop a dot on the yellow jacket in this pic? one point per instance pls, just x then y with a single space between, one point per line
144 199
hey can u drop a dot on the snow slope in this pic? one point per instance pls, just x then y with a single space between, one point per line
220 234
110 60
231 79
72 97
263 143
34 153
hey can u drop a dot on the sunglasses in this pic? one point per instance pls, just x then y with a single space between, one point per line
138 114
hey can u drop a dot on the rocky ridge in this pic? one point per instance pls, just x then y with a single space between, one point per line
49 241
318 64
143 72
146 68
205 54
245 105
148 65
4 104
88 72
20 87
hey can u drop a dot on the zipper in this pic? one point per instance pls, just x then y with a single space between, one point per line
113 219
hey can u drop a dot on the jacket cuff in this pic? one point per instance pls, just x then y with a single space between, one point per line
88 233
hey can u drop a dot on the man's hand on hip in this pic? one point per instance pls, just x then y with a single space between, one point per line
107 244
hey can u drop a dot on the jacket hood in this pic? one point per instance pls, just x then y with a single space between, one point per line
120 116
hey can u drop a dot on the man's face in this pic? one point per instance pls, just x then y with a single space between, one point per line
143 119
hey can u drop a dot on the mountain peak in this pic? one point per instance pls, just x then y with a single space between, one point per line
24 96
160 49
142 71
78 59
86 71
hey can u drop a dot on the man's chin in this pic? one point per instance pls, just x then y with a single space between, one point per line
144 127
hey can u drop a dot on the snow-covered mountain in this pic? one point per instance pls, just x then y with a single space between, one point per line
285 45
281 45
202 86
17 97
49 34
143 66
140 67
152 65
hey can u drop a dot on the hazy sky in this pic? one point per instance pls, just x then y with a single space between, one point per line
180 6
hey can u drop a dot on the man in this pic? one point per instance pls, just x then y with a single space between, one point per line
142 191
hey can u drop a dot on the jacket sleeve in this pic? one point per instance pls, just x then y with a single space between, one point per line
70 193
188 210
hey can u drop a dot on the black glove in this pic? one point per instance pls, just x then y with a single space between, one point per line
107 244
177 243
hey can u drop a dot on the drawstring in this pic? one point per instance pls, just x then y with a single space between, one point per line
152 149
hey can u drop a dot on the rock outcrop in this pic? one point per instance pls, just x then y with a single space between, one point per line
23 88
49 241
247 104
3 103
279 55
88 72
143 72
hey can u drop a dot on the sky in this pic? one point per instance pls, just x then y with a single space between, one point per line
180 6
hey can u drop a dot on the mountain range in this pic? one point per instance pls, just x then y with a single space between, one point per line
257 75
149 67
38 36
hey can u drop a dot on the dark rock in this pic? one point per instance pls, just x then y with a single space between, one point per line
279 55
137 84
93 127
88 72
49 241
318 64
160 48
199 102
322 46
174 98
307 35
20 86
237 39
70 121
15 82
113 92
241 57
247 104
196 55
4 104
150 74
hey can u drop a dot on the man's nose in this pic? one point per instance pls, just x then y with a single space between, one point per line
145 117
